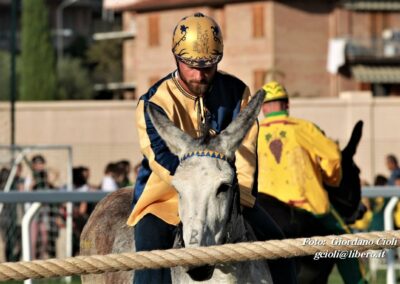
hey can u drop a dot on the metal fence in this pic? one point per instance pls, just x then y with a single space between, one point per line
57 200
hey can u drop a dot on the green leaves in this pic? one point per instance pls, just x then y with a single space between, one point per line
38 73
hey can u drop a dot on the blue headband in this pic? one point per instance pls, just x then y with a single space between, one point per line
205 153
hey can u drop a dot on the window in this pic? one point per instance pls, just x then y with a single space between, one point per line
259 78
154 30
258 21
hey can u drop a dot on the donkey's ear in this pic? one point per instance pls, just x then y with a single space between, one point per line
231 138
177 141
356 134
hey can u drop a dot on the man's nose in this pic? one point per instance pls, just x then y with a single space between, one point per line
199 74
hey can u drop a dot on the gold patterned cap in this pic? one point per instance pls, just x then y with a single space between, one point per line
274 92
197 41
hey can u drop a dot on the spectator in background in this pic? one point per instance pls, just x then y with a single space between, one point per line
86 174
393 166
124 169
80 177
87 208
136 170
39 178
4 172
44 228
396 216
14 245
9 221
380 180
109 183
377 206
19 180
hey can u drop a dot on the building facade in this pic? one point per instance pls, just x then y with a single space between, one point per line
294 42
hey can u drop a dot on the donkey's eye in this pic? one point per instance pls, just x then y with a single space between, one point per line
223 188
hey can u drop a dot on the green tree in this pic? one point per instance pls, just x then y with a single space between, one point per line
38 72
73 80
4 76
106 56
5 73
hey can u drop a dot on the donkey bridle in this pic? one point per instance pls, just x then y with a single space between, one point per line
205 272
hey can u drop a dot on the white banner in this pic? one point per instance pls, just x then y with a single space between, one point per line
119 4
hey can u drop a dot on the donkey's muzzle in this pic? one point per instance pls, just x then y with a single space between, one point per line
201 273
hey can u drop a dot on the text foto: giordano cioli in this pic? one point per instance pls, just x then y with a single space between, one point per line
353 242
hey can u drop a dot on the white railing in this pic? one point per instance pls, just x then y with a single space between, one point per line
18 154
51 196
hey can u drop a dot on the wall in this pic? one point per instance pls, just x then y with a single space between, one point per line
277 50
98 131
101 132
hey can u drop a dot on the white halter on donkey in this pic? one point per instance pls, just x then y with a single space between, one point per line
209 206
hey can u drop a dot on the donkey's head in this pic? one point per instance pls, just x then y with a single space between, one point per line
205 178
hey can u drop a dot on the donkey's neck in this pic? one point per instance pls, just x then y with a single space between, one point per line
246 271
236 231
241 272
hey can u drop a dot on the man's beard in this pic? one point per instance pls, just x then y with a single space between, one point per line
197 88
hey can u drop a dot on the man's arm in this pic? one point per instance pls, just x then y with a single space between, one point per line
328 152
161 161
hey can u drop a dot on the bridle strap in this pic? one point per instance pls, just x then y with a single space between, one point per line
205 153
233 212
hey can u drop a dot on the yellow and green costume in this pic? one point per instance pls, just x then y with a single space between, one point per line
295 158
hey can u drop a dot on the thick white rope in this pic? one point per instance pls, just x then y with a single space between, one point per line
197 256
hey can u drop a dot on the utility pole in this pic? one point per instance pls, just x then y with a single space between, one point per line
13 85
60 29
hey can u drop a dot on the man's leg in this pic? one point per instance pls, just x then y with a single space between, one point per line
298 223
153 233
282 270
351 269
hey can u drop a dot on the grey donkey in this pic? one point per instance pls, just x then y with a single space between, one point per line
209 206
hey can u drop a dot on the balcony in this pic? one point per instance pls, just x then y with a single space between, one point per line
371 5
375 60
385 49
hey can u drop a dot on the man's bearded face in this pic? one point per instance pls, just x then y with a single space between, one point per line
196 80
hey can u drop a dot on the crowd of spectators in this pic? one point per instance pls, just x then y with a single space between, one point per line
51 218
47 223
373 219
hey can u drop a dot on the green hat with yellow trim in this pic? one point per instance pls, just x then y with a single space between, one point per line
274 92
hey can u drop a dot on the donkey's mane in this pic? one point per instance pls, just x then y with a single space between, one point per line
204 141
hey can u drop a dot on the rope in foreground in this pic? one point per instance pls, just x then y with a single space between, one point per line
196 256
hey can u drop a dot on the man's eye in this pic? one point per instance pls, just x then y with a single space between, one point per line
223 188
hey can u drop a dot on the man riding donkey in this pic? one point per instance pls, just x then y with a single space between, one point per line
201 101
295 160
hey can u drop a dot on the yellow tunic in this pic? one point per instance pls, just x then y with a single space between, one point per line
159 197
294 158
